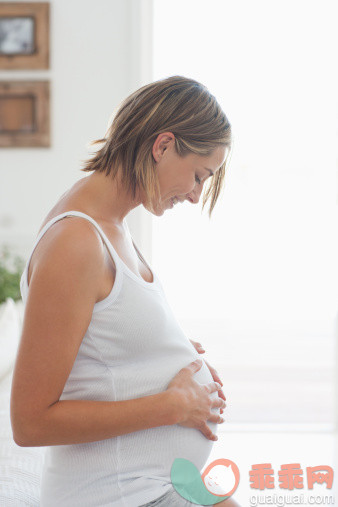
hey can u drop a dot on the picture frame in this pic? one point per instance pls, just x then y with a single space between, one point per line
24 35
24 114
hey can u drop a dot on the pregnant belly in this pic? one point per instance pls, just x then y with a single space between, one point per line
153 451
143 455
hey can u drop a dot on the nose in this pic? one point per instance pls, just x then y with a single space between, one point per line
194 195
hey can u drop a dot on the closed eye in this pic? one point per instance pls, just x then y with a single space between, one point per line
197 179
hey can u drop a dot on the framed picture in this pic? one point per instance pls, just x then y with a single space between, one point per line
24 113
24 35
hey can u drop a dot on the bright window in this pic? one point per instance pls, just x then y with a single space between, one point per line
257 285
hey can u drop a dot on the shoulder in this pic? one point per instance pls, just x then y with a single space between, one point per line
72 245
70 228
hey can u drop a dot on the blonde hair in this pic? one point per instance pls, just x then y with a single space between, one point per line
176 104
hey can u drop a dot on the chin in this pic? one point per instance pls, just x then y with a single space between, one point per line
158 211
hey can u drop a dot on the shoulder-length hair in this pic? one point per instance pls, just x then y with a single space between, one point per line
175 104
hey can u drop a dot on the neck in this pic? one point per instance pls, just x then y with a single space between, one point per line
106 197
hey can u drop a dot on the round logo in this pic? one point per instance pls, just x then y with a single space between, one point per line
221 477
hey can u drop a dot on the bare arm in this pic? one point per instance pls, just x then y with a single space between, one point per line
63 289
80 421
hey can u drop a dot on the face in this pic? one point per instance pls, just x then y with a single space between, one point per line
182 178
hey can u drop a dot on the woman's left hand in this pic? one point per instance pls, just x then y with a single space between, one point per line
212 370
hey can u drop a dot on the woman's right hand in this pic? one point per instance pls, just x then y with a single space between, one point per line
194 401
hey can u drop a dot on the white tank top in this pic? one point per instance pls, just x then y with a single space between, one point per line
133 347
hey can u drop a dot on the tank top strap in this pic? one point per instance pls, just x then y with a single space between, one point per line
111 249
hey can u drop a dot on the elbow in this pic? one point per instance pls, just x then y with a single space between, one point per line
26 426
28 429
20 442
21 436
25 441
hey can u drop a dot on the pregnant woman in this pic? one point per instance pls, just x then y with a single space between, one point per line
105 377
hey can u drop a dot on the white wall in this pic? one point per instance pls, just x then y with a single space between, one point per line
97 57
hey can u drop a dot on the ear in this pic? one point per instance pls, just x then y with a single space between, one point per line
161 144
